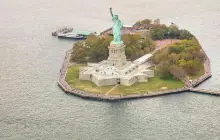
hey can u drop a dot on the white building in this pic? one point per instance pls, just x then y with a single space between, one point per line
116 69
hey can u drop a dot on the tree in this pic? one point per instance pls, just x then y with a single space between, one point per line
146 21
175 49
99 50
192 66
78 51
173 58
157 33
182 56
162 70
198 54
164 32
160 57
177 72
181 63
184 34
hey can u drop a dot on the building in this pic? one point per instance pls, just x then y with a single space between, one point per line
116 69
157 22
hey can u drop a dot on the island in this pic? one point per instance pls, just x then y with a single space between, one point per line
143 60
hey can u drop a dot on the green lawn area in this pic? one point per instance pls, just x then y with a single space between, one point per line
72 78
154 84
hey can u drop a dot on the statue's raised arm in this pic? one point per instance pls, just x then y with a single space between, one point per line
110 8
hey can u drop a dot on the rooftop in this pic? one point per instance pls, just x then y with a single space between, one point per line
143 58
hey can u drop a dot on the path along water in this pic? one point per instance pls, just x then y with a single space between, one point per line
189 85
33 107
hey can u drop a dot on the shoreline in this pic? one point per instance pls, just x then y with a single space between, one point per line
88 95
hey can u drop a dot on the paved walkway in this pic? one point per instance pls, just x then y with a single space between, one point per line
111 89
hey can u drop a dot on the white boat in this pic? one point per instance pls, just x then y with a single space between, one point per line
71 35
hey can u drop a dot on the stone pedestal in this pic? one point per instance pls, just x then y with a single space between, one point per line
117 55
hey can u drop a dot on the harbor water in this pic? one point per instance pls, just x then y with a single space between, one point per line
33 107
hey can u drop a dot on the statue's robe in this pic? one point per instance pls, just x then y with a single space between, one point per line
116 29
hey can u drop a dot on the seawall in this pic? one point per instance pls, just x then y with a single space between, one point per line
84 94
205 91
88 95
206 75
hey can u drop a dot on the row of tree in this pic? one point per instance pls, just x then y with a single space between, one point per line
179 59
143 22
95 48
159 32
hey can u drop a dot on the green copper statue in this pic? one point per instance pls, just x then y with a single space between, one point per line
116 28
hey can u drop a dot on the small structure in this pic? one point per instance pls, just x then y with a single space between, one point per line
116 69
157 22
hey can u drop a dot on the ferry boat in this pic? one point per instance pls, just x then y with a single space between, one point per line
74 34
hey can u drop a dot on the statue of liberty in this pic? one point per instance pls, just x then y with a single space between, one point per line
116 28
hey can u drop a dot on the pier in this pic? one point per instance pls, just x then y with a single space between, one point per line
205 91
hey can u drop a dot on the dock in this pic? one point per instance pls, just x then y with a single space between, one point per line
205 91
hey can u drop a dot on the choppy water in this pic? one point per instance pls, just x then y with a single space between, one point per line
33 107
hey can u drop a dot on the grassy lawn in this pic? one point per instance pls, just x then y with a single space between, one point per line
72 78
154 84
198 74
